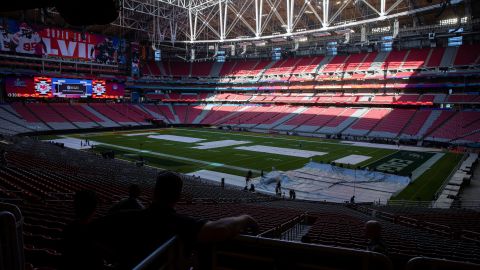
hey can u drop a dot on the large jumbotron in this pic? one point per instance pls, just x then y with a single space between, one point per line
302 120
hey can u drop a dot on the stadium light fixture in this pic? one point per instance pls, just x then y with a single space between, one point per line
280 39
260 43
344 31
321 34
383 29
301 39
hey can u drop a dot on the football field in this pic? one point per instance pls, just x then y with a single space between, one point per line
189 150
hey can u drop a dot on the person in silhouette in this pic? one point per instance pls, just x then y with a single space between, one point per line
130 236
248 177
130 203
79 250
373 232
3 158
278 188
292 194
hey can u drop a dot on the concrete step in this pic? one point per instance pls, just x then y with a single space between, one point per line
345 124
203 114
215 72
154 114
428 123
283 119
106 122
448 57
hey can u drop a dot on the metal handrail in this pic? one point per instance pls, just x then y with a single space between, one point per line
152 259
420 263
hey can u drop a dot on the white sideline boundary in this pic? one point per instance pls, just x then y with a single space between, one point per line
230 179
281 151
175 138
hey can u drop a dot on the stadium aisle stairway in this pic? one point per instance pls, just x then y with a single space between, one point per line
113 115
368 121
69 113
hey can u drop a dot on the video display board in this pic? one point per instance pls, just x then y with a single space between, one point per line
71 88
45 87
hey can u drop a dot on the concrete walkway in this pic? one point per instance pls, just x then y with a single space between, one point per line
472 192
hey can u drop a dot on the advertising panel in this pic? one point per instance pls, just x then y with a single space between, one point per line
29 39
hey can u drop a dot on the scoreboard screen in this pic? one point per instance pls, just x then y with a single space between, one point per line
220 56
332 48
157 55
276 54
71 88
46 87
455 41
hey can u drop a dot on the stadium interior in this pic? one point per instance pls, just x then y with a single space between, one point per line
378 99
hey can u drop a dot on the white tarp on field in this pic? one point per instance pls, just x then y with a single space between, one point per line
176 138
323 182
352 159
281 151
218 144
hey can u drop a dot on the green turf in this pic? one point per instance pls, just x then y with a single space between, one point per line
424 187
231 156
154 151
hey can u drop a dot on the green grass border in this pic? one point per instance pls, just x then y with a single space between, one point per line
424 187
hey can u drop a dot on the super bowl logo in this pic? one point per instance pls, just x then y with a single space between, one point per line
43 85
99 88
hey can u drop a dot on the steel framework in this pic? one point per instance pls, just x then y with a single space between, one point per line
222 21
